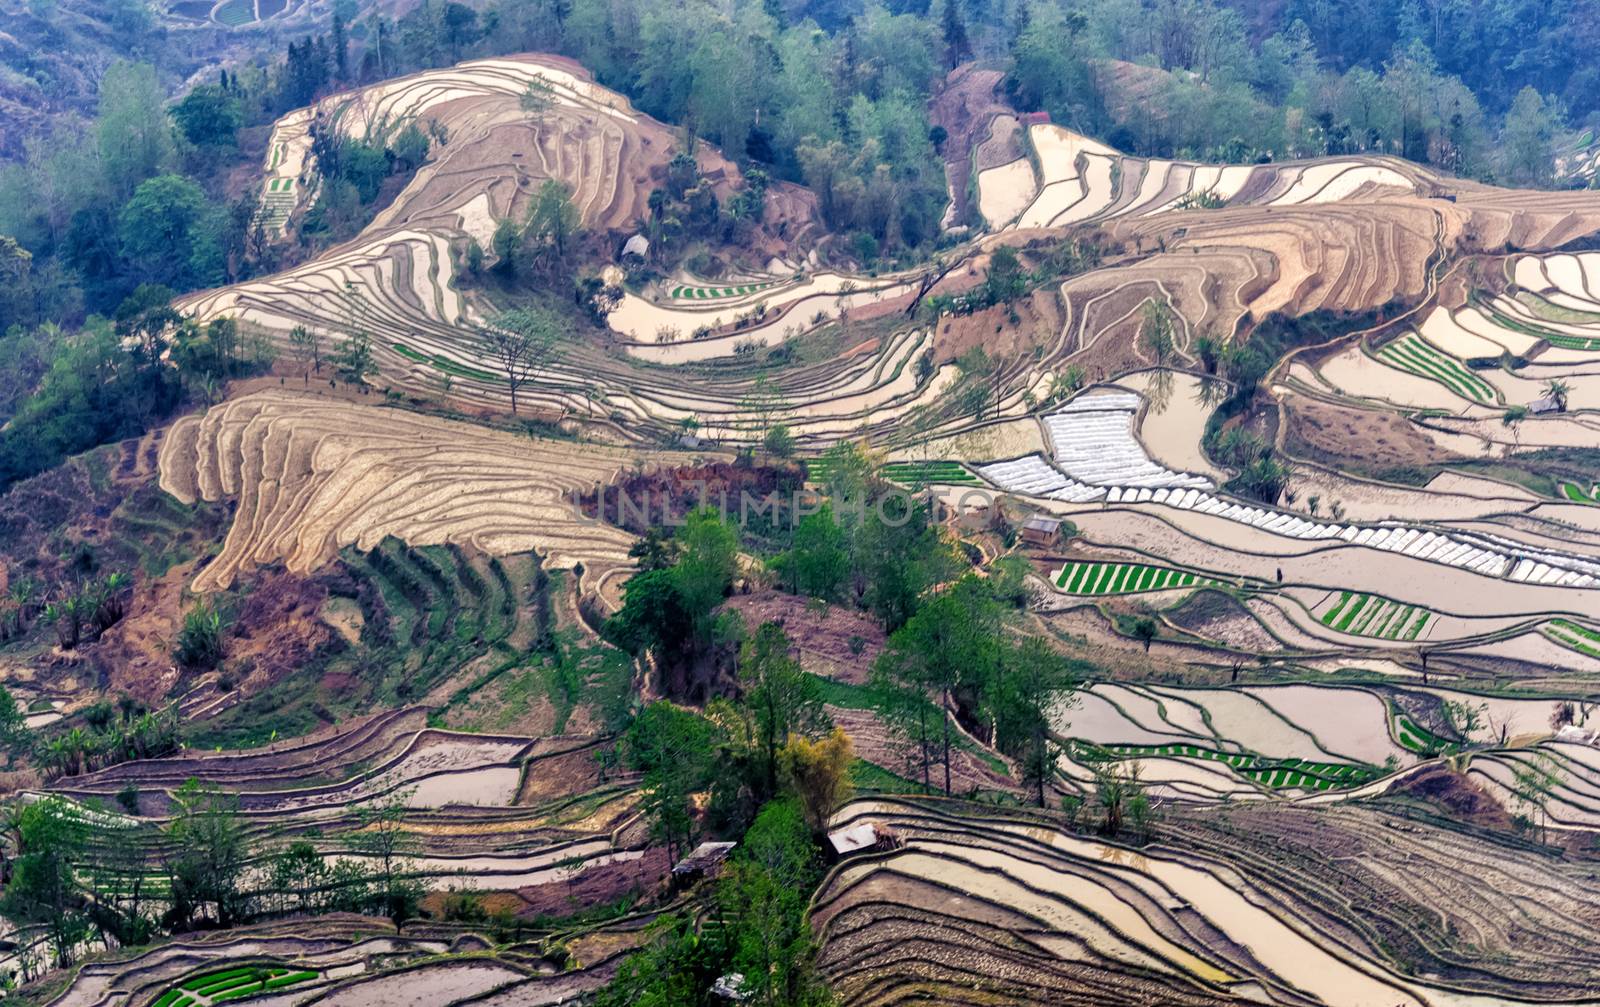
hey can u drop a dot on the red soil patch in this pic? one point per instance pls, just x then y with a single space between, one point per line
1039 322
1464 800
1366 440
966 103
596 886
834 642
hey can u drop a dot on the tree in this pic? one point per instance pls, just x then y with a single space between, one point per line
552 223
653 617
950 648
1464 719
1533 781
1121 797
200 645
42 890
306 345
1007 280
819 774
14 734
537 99
1527 143
209 116
16 284
1033 682
780 697
673 748
207 856
353 363
1512 419
764 403
818 561
409 148
779 441
170 233
297 876
1156 329
383 840
132 129
705 569
899 555
506 243
763 903
522 342
957 47
1146 630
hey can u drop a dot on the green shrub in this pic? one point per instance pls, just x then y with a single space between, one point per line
199 646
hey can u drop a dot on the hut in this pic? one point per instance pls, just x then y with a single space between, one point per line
863 837
1042 531
704 862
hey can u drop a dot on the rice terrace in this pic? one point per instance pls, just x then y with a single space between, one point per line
666 503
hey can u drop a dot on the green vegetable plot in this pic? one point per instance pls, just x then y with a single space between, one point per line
1417 356
444 364
1375 616
712 293
1416 738
1125 578
915 473
1573 636
1293 773
1576 493
232 984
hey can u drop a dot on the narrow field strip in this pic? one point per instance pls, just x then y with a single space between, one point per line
916 473
711 293
1125 578
444 364
236 12
1551 312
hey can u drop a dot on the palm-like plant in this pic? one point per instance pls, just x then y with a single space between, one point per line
1558 390
1512 419
63 615
21 603
109 601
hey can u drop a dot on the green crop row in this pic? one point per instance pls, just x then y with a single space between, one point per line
1568 342
711 293
1295 773
1575 493
1125 578
1375 616
1415 355
910 473
444 364
232 984
1573 637
1416 738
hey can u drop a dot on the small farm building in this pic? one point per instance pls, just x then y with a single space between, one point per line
1041 530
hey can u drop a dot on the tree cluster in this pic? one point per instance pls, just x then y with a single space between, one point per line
77 876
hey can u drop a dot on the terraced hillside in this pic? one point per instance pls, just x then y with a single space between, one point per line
1265 496
1001 909
313 476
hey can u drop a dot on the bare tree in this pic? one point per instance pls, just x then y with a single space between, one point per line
522 342
307 348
